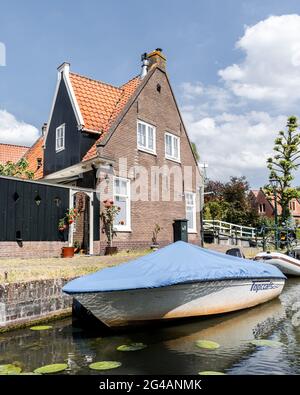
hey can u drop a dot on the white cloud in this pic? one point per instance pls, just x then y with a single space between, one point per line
235 145
270 71
235 122
16 132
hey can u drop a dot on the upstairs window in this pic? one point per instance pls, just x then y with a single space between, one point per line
262 208
60 138
172 147
190 204
122 200
146 135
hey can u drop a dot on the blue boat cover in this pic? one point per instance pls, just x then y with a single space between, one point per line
177 263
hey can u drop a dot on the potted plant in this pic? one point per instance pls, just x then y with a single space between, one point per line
62 226
108 216
67 252
77 247
71 215
154 246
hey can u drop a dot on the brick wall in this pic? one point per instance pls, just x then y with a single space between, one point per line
24 302
31 249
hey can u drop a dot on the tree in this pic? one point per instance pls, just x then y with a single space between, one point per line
214 190
230 202
19 169
284 161
195 151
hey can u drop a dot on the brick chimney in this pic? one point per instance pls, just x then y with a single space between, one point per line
156 58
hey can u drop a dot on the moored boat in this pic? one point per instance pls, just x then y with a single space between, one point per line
287 264
177 281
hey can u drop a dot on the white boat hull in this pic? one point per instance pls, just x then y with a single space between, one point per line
133 307
288 265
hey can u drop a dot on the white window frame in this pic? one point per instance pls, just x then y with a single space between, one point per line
146 148
173 138
57 138
194 229
126 227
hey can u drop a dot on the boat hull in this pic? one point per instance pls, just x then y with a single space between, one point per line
133 307
286 264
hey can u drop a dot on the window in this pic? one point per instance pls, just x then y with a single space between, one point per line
172 147
122 200
190 202
262 208
146 137
60 138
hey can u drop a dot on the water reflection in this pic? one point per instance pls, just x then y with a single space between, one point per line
171 349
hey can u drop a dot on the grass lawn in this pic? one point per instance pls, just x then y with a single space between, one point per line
47 268
19 270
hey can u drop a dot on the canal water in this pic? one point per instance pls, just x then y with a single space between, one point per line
171 349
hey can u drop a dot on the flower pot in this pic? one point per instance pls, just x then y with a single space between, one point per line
67 252
111 250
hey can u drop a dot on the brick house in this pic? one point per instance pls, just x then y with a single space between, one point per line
265 205
130 144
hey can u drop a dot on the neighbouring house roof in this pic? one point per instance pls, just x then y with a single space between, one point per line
255 192
100 104
11 152
35 158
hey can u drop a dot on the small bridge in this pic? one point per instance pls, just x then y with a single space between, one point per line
222 232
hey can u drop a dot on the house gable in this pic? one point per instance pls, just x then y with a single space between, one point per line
154 102
76 142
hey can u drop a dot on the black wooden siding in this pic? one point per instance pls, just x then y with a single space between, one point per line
76 143
21 217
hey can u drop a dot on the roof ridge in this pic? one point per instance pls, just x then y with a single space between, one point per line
94 80
16 145
133 78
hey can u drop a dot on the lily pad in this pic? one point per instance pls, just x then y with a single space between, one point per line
211 373
207 344
55 368
132 347
30 374
267 343
9 369
41 327
105 365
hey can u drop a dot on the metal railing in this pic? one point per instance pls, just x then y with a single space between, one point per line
229 229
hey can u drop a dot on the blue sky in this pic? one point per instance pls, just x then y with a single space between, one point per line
104 40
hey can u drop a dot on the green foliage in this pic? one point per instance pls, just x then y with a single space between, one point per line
211 373
55 368
207 344
266 343
108 216
195 151
9 369
155 233
132 347
19 169
105 365
41 327
230 202
265 221
284 162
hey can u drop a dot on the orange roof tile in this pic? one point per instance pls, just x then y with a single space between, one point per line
100 104
11 152
34 152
